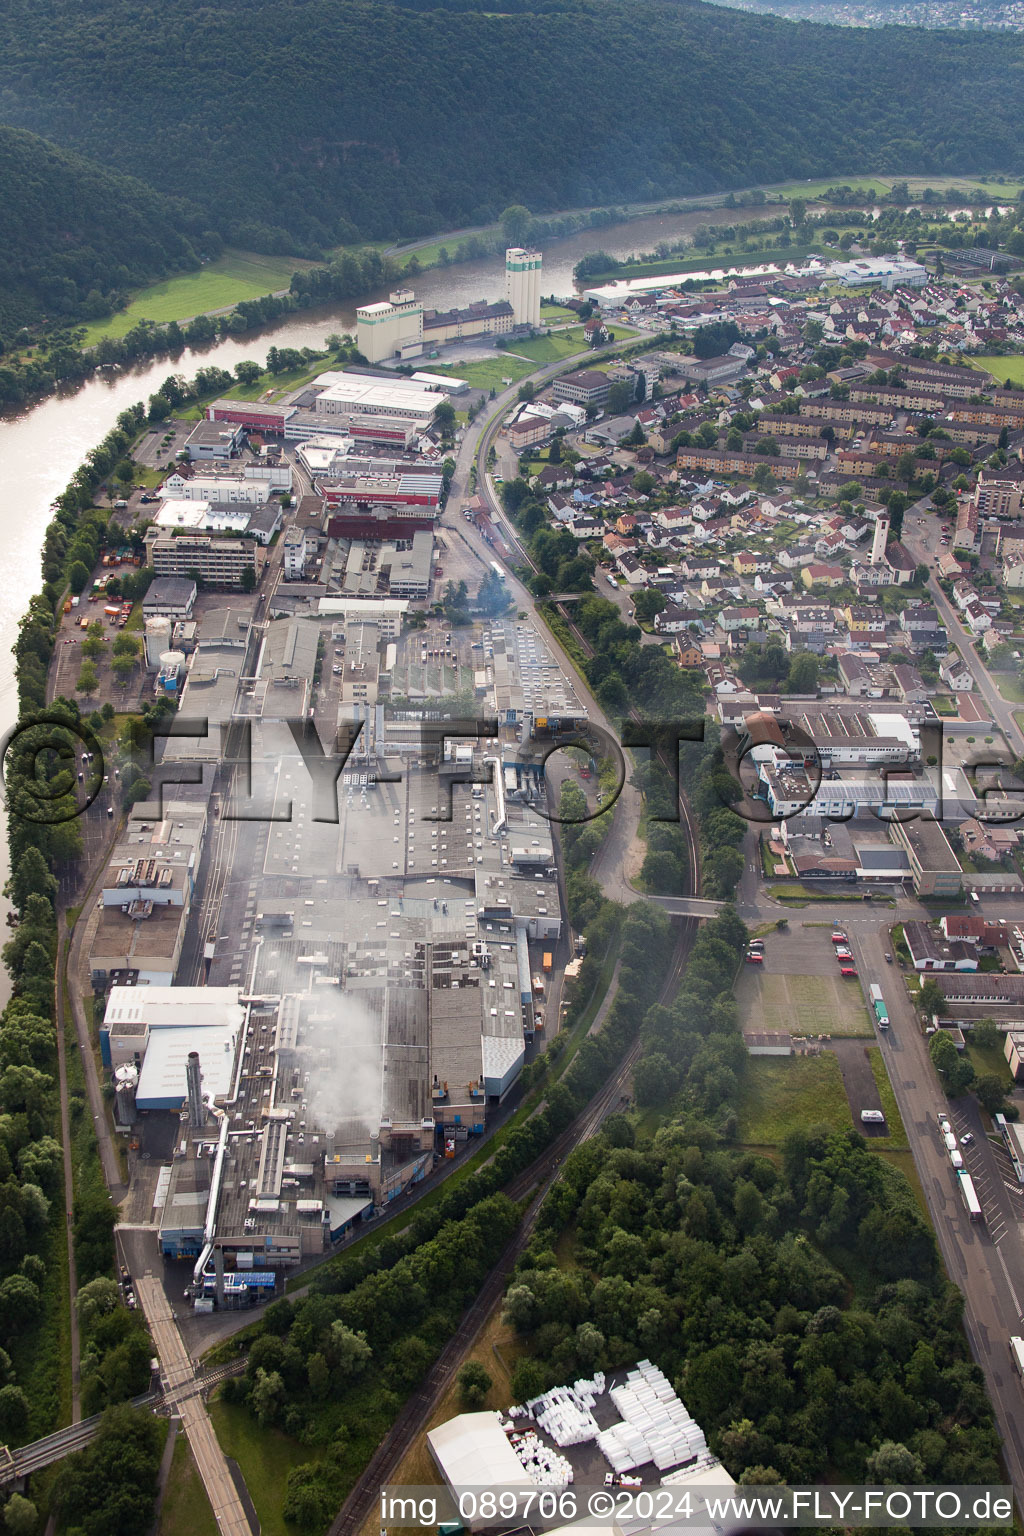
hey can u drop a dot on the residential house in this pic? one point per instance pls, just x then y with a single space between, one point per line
631 568
818 575
688 653
747 562
731 619
910 685
675 619
867 626
956 675
991 842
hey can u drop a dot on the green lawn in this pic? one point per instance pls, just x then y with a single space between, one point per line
1010 688
990 1060
235 275
551 349
186 1509
554 314
265 1456
488 373
783 1094
943 704
1001 368
897 1136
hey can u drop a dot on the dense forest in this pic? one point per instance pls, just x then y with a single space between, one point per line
799 1306
75 233
297 127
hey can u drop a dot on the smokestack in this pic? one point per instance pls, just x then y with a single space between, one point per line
194 1084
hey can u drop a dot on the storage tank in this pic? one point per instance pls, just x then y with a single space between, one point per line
158 640
171 664
126 1080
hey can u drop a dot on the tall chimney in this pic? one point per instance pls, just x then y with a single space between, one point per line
194 1082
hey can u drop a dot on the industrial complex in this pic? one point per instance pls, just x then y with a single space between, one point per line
325 965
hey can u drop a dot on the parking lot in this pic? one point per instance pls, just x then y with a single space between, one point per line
798 987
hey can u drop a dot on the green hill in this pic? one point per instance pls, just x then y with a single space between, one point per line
299 124
73 233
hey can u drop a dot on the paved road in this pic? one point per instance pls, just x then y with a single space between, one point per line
986 1261
178 1377
921 531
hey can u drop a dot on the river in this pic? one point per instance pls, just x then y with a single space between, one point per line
41 447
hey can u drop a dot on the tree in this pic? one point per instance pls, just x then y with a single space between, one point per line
474 1383
13 1414
956 1071
88 679
892 1463
122 667
515 223
647 603
991 1092
21 1517
248 578
444 417
79 577
931 998
30 875
797 211
803 673
247 372
644 483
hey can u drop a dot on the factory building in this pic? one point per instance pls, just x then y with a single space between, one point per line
156 1028
382 506
530 690
391 328
222 562
146 894
522 285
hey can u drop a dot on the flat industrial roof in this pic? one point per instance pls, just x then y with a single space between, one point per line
473 1449
162 1076
175 1007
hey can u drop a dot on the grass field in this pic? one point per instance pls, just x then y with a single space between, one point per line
1001 368
897 1137
488 373
1000 191
784 1093
554 314
186 1509
551 349
234 276
991 1060
1011 690
265 1457
803 1005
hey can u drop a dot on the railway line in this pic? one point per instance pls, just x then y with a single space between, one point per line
75 1437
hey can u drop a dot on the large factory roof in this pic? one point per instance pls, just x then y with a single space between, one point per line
162 1076
175 1007
376 395
472 1450
527 679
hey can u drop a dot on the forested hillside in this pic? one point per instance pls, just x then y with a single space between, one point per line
299 124
75 232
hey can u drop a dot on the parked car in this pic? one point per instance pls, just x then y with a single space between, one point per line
888 959
847 970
